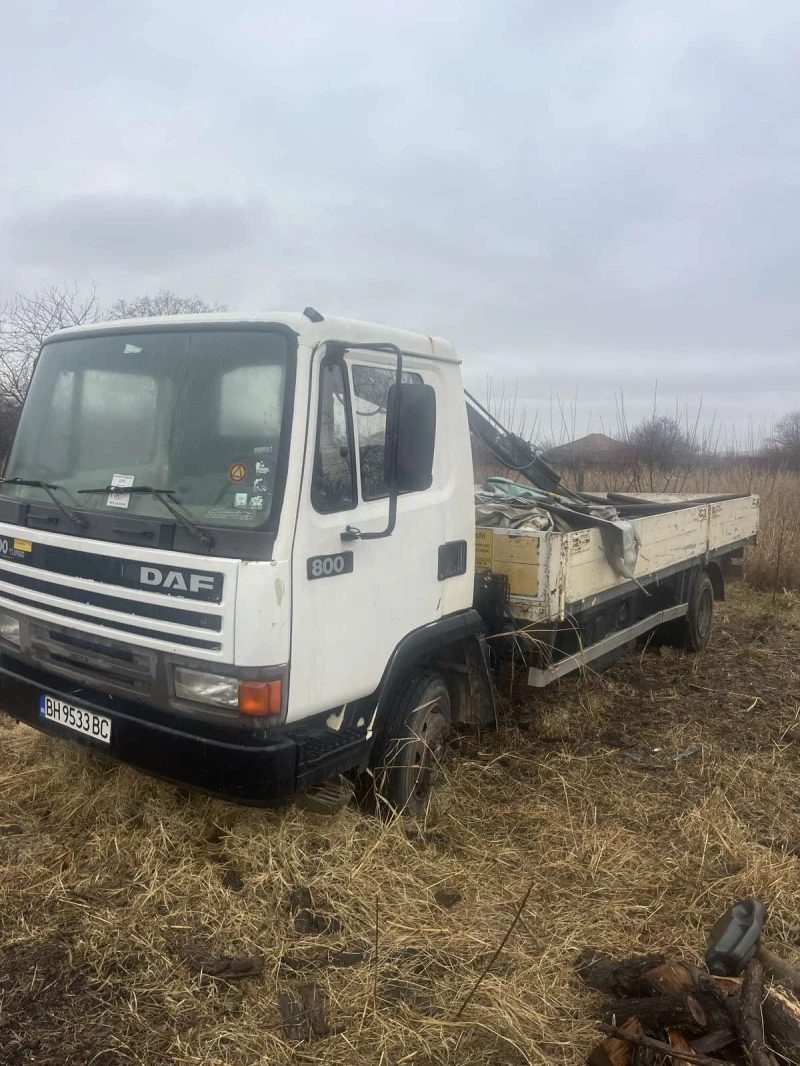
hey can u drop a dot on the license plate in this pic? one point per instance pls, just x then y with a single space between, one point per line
75 718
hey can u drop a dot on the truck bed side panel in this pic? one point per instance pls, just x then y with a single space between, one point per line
666 539
572 567
732 521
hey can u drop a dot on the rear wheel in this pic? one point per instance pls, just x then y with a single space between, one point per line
416 737
695 632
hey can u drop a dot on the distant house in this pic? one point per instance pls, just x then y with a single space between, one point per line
595 449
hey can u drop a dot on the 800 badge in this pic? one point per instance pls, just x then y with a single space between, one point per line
329 565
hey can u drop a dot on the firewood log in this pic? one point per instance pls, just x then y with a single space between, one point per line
672 978
614 1051
781 1013
616 977
646 1056
658 1046
780 969
680 1043
715 1040
658 1012
751 1025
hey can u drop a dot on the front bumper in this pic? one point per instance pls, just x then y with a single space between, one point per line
245 766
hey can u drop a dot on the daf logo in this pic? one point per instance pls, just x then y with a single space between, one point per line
174 579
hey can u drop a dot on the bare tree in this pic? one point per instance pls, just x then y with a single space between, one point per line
784 444
660 444
25 321
163 302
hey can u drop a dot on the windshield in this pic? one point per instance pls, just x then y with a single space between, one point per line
197 412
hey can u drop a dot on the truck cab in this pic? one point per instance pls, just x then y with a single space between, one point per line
230 543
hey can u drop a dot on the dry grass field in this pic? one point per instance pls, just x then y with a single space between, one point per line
113 886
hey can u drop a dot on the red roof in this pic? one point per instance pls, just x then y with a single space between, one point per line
594 446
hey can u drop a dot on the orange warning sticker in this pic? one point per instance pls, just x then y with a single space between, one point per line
238 472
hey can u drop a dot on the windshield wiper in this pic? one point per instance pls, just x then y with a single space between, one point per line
80 523
162 495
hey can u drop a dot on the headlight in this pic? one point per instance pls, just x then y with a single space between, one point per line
9 629
206 688
249 697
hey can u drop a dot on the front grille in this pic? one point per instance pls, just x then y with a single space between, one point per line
87 597
173 638
111 570
93 659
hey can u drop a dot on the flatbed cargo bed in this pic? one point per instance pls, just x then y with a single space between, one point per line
553 575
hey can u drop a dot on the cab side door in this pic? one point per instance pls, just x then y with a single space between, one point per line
355 599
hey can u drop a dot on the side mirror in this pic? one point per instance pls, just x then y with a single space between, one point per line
410 437
410 440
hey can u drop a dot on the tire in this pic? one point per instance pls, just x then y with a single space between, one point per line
413 742
699 621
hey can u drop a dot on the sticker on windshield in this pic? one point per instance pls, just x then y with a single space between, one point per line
242 516
117 497
238 472
257 503
261 468
240 499
260 484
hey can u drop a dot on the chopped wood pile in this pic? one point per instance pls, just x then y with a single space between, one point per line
660 1013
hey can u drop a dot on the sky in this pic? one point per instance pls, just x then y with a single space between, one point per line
592 200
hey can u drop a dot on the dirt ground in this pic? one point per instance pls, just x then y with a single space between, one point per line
113 887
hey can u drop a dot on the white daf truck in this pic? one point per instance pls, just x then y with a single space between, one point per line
239 552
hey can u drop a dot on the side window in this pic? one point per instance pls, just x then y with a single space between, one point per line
333 481
371 386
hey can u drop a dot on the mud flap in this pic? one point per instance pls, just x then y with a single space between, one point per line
472 691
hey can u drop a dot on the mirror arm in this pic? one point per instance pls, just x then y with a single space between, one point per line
350 532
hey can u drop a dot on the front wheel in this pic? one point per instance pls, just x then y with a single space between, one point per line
416 737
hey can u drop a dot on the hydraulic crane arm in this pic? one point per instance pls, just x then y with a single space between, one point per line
512 451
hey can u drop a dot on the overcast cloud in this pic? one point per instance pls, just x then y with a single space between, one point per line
585 196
